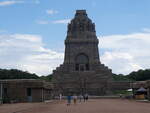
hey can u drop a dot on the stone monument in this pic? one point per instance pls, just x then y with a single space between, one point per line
82 71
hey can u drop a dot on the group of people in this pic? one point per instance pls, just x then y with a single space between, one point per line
75 98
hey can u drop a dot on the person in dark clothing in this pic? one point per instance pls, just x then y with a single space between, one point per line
85 97
69 97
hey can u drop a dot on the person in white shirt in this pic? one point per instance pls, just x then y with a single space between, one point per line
80 98
75 99
60 96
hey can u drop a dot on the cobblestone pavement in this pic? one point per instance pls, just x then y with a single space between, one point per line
92 106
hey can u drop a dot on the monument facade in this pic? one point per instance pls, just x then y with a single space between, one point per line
82 71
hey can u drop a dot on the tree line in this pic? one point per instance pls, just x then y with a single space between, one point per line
19 74
16 74
139 75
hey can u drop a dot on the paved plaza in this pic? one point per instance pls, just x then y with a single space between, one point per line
92 106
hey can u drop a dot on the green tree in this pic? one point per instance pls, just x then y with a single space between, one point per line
140 75
47 78
120 77
16 74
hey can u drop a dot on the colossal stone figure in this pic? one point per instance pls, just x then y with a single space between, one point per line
82 71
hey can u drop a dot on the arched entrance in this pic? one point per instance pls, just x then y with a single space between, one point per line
81 62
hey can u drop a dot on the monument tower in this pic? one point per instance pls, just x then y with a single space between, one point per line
82 71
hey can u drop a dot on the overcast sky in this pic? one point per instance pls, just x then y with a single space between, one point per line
32 33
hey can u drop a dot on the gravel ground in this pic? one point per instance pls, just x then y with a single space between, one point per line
92 106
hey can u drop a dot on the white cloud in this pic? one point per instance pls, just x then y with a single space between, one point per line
63 21
51 12
146 30
125 53
10 2
42 22
120 62
121 53
27 52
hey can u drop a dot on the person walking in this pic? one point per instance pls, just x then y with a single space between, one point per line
80 98
60 96
69 97
75 99
86 97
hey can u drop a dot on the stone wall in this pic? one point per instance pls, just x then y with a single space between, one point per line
120 85
18 90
